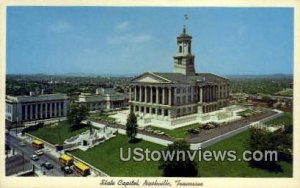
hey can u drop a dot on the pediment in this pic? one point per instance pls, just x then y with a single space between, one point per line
150 78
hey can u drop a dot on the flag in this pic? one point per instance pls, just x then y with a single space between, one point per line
186 17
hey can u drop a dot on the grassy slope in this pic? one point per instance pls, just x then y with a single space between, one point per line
57 135
286 118
107 158
179 132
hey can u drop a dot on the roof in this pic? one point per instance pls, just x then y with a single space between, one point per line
37 142
81 166
66 157
181 78
47 97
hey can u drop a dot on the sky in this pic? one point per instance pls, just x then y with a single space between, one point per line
127 40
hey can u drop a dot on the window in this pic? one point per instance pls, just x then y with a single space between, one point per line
178 100
180 49
178 90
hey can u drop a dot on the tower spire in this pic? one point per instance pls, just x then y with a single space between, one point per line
184 59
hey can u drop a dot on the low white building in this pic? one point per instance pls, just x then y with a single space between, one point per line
35 107
105 99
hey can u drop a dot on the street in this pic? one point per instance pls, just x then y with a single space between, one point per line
28 151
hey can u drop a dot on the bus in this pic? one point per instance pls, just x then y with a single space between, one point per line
66 160
38 144
81 168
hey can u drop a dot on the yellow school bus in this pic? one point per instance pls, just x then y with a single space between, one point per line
38 144
66 160
81 168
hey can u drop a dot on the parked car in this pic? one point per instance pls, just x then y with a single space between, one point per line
39 152
47 165
34 157
66 169
22 144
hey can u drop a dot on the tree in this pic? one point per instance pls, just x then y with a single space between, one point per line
263 140
131 126
76 114
181 166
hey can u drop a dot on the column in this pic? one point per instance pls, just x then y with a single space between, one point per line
31 111
36 111
46 110
140 98
163 96
146 95
201 94
59 109
130 93
50 110
151 95
135 93
41 111
170 96
55 111
157 96
210 93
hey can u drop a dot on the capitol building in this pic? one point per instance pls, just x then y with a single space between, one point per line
177 98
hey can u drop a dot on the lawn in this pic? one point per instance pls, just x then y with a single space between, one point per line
103 117
237 168
106 157
286 119
179 132
246 113
286 92
58 134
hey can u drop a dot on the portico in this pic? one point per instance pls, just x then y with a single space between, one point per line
180 96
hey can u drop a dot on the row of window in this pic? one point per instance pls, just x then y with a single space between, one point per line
186 111
42 111
184 90
9 108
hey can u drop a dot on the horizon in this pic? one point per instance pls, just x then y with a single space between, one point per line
130 41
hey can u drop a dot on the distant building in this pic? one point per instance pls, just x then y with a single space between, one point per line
180 96
105 99
35 107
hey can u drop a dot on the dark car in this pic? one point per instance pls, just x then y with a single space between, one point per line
47 165
66 169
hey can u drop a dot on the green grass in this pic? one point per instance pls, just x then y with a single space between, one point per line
246 113
286 92
106 157
237 168
179 132
286 119
57 135
103 117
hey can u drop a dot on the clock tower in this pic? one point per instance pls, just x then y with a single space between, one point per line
184 59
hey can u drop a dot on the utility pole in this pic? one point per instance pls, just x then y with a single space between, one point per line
23 161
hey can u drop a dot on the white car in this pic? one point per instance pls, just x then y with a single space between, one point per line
22 144
39 152
34 157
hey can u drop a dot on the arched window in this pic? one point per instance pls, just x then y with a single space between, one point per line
180 49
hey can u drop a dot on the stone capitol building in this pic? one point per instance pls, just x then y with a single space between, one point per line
177 98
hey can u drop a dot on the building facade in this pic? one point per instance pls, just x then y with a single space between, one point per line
105 99
36 107
178 97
